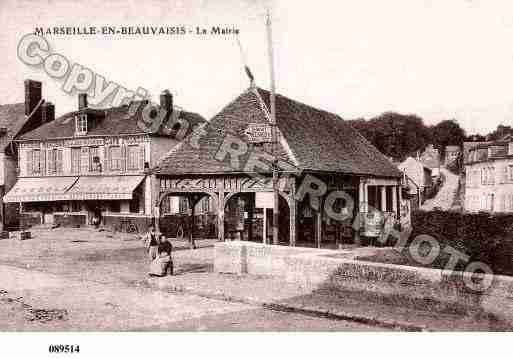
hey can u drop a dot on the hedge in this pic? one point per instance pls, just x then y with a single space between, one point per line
481 236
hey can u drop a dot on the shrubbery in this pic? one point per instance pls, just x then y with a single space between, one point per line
483 237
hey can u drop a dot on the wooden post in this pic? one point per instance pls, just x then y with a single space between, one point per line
264 228
220 216
192 203
318 227
293 220
360 212
394 200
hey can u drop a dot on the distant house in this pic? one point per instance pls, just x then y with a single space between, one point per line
451 154
431 159
15 119
418 177
489 177
91 166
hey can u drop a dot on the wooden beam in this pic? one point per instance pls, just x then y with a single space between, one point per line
220 217
318 227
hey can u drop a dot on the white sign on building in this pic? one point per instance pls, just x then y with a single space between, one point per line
258 133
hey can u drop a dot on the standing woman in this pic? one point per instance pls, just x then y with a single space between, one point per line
152 243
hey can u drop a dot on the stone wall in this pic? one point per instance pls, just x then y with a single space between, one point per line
70 220
117 222
315 269
28 220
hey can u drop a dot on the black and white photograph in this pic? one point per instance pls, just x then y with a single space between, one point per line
173 172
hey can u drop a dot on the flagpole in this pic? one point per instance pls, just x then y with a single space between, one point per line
273 131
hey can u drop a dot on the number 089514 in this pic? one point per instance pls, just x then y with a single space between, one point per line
64 348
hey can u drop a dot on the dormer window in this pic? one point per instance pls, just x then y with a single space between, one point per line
81 124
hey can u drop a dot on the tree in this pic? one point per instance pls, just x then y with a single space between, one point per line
394 134
445 133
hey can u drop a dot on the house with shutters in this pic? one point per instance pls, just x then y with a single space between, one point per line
15 119
489 176
90 166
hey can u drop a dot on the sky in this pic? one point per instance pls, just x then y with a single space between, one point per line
438 59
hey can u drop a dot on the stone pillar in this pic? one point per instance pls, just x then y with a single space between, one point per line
394 199
192 204
383 198
220 217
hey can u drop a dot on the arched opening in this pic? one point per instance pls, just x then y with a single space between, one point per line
188 216
249 217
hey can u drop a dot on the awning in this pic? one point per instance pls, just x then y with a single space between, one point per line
40 189
104 187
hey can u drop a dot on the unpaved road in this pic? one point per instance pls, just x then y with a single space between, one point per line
85 280
446 195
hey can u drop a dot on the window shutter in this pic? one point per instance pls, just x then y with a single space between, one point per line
43 162
30 158
109 158
123 158
141 156
58 165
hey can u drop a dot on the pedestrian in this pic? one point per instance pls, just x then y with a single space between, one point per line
163 263
165 250
152 243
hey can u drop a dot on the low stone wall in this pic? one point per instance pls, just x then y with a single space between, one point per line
117 222
70 220
328 269
28 220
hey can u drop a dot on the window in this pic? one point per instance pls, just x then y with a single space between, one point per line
55 161
35 162
510 172
84 160
115 158
81 124
76 206
75 160
94 160
133 162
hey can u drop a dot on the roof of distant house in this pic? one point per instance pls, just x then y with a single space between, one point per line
452 148
310 140
12 119
113 121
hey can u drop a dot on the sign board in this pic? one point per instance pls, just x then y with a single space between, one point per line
258 133
264 200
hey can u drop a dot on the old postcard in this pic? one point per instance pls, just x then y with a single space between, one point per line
258 166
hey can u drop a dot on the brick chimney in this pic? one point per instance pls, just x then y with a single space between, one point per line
48 112
166 102
82 101
33 95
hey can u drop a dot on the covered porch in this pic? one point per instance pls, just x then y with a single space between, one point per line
243 207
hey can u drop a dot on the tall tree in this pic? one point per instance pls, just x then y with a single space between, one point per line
394 134
447 132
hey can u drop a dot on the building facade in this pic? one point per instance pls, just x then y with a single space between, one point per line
431 159
15 119
91 166
452 153
315 151
417 177
489 177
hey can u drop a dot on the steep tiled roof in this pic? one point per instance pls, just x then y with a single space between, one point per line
312 140
12 118
467 146
114 121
